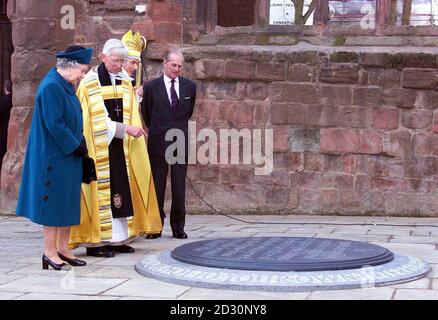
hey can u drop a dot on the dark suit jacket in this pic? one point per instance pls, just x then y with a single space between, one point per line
159 117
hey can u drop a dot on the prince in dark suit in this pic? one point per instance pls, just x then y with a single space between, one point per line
168 103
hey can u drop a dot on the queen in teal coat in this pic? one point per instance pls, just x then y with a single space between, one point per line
52 173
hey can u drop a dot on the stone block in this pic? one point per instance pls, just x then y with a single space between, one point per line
385 78
271 71
386 118
414 185
339 140
430 166
374 59
295 92
306 57
349 199
281 139
417 119
339 73
31 66
344 181
417 78
331 163
367 96
277 196
355 117
336 95
209 69
236 111
435 122
288 113
218 89
425 143
397 143
33 9
261 112
370 142
323 116
328 199
362 183
384 184
399 97
344 56
241 70
427 100
276 178
300 73
305 180
235 175
42 38
164 11
209 174
253 90
168 32
294 161
348 163
24 93
146 27
312 162
413 60
304 139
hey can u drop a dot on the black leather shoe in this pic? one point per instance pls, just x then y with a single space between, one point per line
101 252
121 249
153 236
56 266
73 262
179 234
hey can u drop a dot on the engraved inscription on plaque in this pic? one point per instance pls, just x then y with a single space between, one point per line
282 253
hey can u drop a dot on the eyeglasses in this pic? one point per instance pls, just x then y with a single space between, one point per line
116 61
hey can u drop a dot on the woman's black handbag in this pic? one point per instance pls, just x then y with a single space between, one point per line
88 170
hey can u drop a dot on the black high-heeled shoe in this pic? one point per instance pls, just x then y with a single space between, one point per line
73 262
56 266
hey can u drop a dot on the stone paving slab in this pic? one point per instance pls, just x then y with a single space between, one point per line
50 296
9 295
416 294
229 234
221 228
293 231
391 231
61 284
280 231
383 293
358 237
415 239
217 294
417 284
36 270
146 287
22 242
5 278
275 234
113 272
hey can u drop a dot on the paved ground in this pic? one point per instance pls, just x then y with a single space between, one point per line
21 276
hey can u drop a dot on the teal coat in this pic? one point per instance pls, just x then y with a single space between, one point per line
51 181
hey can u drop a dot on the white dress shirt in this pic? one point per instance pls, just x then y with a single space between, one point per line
168 84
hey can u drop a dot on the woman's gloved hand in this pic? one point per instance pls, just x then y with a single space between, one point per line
82 150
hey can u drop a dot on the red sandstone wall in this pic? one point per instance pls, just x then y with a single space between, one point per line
355 132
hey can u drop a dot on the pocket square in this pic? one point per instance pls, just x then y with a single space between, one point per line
186 98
